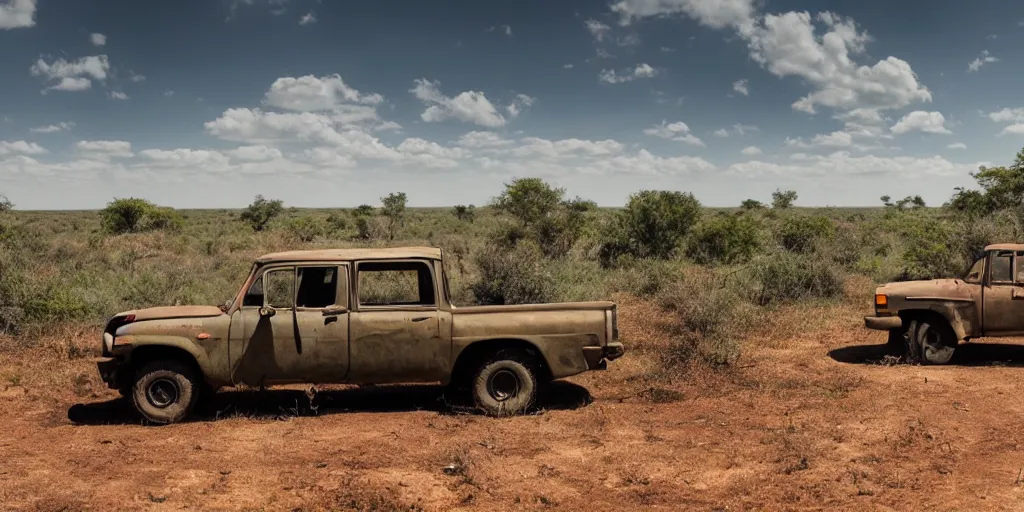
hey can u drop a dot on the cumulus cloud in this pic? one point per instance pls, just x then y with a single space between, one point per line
920 121
20 147
1013 129
53 128
643 70
468 106
72 75
957 145
98 39
677 131
742 87
837 139
751 151
308 18
521 102
312 94
789 44
984 58
104 149
841 163
17 14
738 129
1008 115
597 29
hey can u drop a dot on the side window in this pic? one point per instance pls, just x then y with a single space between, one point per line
279 286
1002 267
318 287
254 297
1018 260
405 283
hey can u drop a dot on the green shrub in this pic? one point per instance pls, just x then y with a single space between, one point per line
164 218
464 213
261 212
783 278
783 199
337 222
5 204
652 225
133 215
511 276
751 204
394 210
306 228
725 239
528 200
363 210
800 233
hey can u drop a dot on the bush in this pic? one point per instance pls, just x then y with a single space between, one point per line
511 276
725 239
751 204
306 228
370 228
394 210
261 212
363 210
652 225
529 200
133 215
464 213
337 222
800 233
784 278
783 199
5 204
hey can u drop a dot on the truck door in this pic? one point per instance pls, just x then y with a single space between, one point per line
293 327
396 325
1003 295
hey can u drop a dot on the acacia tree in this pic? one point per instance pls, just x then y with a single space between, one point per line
5 204
529 200
261 212
394 209
1001 188
783 199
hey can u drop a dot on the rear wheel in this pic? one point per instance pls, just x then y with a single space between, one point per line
931 341
506 384
165 391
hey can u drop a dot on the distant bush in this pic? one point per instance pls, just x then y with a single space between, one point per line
394 210
783 199
261 212
363 210
652 225
306 228
528 199
751 204
464 213
783 278
511 276
370 228
725 239
5 204
133 215
800 233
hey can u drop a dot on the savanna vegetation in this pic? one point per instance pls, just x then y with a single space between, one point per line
718 271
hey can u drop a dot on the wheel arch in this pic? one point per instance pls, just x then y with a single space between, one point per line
947 315
475 353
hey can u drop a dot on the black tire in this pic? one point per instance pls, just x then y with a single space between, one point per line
506 384
165 391
931 341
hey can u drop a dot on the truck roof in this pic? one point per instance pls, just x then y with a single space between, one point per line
1005 247
370 253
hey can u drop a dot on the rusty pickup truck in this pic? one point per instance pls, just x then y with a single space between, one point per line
357 316
926 320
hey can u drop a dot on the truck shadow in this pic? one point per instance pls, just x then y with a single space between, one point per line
967 354
287 403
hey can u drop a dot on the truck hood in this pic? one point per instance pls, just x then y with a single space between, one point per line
950 289
165 312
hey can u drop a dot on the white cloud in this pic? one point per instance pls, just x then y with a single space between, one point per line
742 87
73 75
98 39
53 128
642 70
597 29
136 78
751 151
17 14
567 66
842 164
713 13
118 95
677 131
928 122
738 129
308 18
311 94
1008 115
957 145
628 40
984 58
521 102
469 106
20 147
208 161
721 132
482 139
104 149
1013 129
838 139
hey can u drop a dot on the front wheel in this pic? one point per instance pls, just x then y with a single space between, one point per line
165 391
931 342
506 384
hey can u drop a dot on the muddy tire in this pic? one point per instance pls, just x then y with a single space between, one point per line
930 341
165 391
506 384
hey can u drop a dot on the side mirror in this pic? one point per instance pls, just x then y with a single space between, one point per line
335 311
267 312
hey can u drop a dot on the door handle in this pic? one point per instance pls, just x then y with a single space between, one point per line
420 318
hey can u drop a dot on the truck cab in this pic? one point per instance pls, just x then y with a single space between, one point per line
352 316
926 320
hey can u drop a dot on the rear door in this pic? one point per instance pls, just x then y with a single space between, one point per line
1003 294
396 324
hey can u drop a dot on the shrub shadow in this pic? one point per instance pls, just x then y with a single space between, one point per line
283 404
967 354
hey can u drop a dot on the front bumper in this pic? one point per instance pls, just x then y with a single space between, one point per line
598 357
883 323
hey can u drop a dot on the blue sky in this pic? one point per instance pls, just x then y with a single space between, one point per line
206 103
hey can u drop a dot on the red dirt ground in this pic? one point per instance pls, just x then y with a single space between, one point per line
809 422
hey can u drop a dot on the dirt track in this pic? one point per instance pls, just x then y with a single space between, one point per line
807 423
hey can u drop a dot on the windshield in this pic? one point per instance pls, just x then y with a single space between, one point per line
975 272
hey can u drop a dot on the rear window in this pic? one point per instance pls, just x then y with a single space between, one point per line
400 283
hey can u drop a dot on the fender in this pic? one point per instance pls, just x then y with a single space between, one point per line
958 313
563 354
126 344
